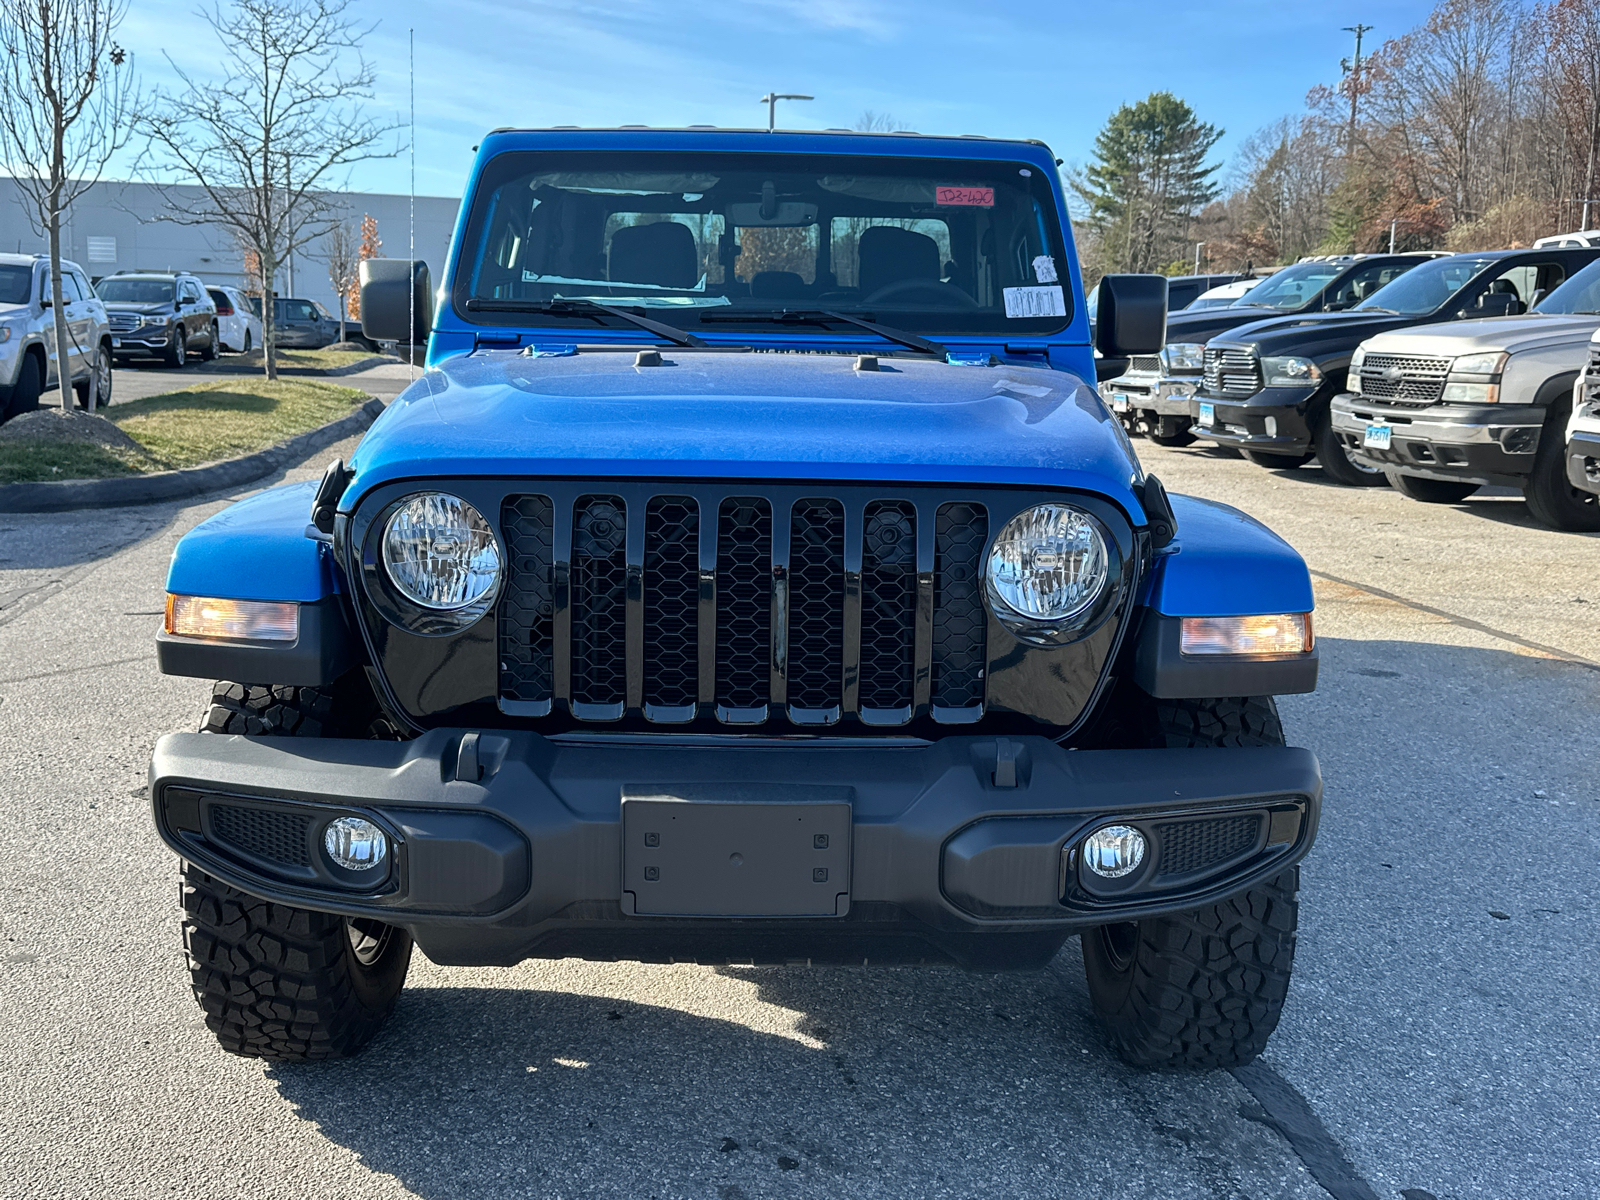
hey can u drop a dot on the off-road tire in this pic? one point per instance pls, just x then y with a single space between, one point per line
285 983
1335 459
1203 988
345 710
1277 462
1430 491
1552 500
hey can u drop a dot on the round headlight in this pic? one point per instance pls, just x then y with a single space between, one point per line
440 553
1049 564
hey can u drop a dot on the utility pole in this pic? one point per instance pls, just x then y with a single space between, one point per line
1353 69
771 101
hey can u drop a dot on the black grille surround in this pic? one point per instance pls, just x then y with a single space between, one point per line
739 608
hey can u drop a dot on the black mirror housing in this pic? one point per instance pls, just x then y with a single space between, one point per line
389 289
1132 315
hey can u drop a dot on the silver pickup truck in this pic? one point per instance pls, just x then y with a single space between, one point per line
1445 409
27 335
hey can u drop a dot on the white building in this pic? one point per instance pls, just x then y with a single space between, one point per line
118 227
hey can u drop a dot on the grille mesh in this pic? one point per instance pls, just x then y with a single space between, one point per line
1421 379
525 610
671 590
278 837
599 600
1188 847
888 604
816 604
959 617
744 602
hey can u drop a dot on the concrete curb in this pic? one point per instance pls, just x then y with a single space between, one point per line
69 494
366 364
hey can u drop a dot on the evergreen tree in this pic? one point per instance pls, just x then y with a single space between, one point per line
1149 181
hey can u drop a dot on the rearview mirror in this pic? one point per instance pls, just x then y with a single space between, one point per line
390 287
1130 318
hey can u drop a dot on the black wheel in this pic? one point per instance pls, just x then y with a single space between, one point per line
95 391
1336 462
1430 491
287 983
1172 431
177 354
276 981
25 392
1203 988
210 352
246 349
1552 500
1277 462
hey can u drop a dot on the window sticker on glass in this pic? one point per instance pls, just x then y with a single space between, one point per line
969 197
1035 302
1044 269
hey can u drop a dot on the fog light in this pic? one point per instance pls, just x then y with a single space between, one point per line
356 844
1272 426
1113 851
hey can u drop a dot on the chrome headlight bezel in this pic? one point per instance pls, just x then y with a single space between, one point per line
405 606
1184 356
1082 617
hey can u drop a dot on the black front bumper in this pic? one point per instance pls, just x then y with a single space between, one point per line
512 845
1272 421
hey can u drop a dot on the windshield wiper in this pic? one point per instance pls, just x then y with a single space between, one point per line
821 316
586 308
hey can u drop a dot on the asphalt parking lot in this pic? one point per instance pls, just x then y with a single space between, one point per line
1440 1027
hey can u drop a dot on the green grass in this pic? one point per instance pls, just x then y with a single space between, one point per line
320 360
201 424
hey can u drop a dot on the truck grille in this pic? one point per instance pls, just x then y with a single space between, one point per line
1420 381
122 322
687 603
1144 363
1591 382
1231 372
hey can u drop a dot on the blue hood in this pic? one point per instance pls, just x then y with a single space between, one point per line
749 416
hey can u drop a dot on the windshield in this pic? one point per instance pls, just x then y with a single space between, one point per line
1293 287
136 291
1424 289
16 284
1580 294
699 238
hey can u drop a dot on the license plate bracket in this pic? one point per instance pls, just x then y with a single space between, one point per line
690 853
1377 437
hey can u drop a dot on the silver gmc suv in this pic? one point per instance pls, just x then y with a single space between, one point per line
27 335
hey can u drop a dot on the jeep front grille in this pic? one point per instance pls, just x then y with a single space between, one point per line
1412 379
743 607
1231 372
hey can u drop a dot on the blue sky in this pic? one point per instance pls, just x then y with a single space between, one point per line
1012 68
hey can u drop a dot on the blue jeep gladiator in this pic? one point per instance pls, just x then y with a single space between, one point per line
753 576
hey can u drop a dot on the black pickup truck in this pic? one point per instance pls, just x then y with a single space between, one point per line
1266 387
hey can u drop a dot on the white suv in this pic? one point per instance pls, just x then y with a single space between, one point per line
28 365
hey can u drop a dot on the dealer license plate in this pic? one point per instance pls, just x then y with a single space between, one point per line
1119 402
1377 437
1208 413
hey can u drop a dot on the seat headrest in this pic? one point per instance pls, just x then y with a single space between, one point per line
889 254
662 253
777 285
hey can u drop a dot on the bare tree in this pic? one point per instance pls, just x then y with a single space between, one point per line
67 101
877 122
268 145
341 250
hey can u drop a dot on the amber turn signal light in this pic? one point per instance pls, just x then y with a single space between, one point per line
1284 633
233 620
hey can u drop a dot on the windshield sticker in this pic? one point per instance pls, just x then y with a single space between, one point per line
1044 269
969 197
1035 302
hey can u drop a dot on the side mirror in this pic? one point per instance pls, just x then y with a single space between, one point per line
1131 318
45 301
389 289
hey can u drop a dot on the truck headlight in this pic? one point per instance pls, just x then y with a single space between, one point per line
1289 371
156 322
1471 393
1184 356
5 333
1048 570
441 555
1479 364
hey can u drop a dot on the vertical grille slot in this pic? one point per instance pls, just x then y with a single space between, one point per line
526 611
671 595
599 607
888 611
744 609
960 619
816 611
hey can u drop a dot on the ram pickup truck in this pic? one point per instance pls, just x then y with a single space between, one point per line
1444 409
1267 388
1155 396
754 575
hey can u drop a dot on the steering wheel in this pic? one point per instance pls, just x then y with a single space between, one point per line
935 290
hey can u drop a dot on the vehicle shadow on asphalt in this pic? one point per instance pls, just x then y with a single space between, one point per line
878 1081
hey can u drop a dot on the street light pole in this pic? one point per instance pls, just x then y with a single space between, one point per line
771 101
